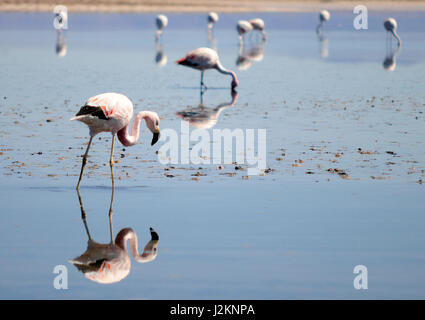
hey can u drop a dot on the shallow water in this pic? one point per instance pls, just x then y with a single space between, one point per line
294 232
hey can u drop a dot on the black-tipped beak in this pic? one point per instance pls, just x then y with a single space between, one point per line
155 138
154 235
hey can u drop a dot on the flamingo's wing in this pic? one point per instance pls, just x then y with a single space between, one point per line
202 57
93 111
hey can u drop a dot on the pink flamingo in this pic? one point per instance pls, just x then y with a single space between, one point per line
203 59
258 24
243 27
112 112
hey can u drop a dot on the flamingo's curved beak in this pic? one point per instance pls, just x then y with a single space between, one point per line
156 135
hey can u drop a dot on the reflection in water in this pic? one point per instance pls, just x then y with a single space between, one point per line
110 262
202 117
324 45
160 57
249 53
390 58
61 47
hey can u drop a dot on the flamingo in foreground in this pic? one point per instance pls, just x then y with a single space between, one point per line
391 26
243 27
112 112
324 17
203 59
161 23
212 18
258 24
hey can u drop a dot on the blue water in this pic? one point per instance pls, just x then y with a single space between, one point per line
295 232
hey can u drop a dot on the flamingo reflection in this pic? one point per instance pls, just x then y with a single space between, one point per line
202 117
249 54
110 262
61 47
390 63
160 57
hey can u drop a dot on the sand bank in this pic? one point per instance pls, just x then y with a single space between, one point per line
203 5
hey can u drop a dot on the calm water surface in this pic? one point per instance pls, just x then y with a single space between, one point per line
345 145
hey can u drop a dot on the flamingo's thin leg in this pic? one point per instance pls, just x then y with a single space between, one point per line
111 160
111 231
84 162
203 86
83 214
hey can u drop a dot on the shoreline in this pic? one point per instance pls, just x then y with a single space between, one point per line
193 6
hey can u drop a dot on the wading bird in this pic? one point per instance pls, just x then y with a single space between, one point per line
258 24
243 27
61 18
203 59
391 26
161 23
324 17
212 18
112 112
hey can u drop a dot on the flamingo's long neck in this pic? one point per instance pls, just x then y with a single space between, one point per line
396 36
131 139
121 241
223 70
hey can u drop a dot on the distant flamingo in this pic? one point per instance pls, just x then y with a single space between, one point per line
324 17
258 24
243 27
212 18
203 59
161 23
62 19
391 26
112 112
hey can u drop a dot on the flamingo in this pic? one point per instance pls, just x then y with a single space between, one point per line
212 18
161 23
324 17
62 19
243 27
112 112
391 26
258 24
110 262
206 58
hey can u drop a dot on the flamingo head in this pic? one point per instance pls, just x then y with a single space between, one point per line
152 122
